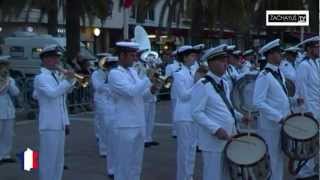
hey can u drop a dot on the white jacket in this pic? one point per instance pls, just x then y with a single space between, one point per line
7 110
183 84
288 70
211 113
51 96
308 86
270 99
128 91
170 70
101 88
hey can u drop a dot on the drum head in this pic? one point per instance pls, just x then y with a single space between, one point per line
301 127
242 94
246 150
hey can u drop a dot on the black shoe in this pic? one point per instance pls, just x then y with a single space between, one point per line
154 143
65 167
147 144
103 156
8 160
111 176
198 150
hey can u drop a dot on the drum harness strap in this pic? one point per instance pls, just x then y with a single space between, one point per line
278 77
220 90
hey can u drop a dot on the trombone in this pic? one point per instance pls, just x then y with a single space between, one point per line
81 79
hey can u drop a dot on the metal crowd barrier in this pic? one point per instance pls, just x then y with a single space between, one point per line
79 100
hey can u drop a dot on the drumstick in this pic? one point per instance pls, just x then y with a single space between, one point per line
296 127
248 125
244 141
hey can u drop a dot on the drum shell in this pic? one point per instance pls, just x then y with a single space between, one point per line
260 169
297 149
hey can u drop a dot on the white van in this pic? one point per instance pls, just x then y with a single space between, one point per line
24 48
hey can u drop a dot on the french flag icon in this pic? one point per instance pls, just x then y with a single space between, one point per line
29 159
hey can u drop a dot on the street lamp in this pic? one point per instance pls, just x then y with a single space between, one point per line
96 33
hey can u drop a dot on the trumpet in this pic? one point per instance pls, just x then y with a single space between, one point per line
81 79
164 81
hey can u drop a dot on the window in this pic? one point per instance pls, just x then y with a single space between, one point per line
36 52
17 52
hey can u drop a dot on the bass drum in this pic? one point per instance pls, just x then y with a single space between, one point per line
247 158
300 137
242 94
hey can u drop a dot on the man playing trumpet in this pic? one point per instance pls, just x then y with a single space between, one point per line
51 92
7 111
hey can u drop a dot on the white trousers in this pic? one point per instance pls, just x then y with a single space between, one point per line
272 139
100 128
6 137
173 105
129 153
150 115
110 160
186 149
51 158
214 166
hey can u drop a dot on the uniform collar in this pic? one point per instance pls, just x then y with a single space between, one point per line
215 77
46 71
272 67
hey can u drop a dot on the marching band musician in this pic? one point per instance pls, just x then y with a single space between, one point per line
288 65
249 60
98 79
8 88
271 100
129 125
308 87
186 129
51 92
234 65
150 101
211 108
175 66
111 62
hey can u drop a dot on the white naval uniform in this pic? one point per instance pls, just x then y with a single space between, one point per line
273 105
288 69
149 104
246 66
211 113
51 93
128 91
186 129
232 75
150 101
98 79
109 119
170 70
308 87
7 116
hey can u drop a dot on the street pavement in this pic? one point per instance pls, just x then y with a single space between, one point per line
82 157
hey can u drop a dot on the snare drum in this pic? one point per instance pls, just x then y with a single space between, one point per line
247 158
300 137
